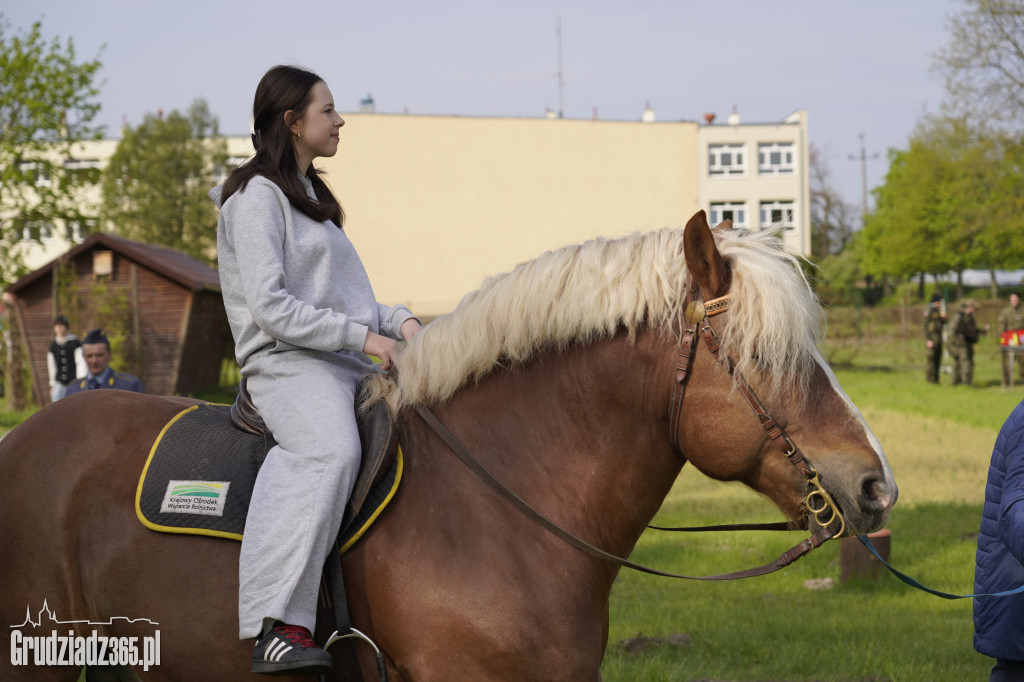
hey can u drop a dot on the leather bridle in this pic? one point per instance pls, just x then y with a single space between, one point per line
818 503
698 315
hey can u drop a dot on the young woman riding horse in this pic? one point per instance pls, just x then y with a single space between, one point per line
562 379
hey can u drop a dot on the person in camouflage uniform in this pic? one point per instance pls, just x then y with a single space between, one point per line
934 321
1012 317
963 334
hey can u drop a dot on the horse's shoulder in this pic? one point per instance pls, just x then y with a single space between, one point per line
180 400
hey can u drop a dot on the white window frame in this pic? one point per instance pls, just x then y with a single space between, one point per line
81 164
736 167
44 228
74 233
733 210
230 164
785 165
42 178
787 217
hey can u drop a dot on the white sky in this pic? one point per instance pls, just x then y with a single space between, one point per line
856 67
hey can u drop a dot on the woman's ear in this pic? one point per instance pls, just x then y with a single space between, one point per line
291 120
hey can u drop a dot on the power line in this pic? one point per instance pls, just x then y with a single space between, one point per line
863 177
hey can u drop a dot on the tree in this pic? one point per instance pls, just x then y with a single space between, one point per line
983 64
832 219
952 201
155 187
47 104
898 238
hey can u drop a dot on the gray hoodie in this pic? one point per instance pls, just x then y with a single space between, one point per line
290 282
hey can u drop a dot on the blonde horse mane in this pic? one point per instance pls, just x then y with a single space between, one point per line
583 293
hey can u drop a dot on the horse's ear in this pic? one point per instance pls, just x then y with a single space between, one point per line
703 260
723 226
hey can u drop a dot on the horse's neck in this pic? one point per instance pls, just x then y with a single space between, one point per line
584 431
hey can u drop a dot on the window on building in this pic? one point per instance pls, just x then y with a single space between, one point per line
37 231
38 173
776 214
729 210
75 231
84 169
726 159
775 158
230 164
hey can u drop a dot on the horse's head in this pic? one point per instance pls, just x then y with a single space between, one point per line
767 396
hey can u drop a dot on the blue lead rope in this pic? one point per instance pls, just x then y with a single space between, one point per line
913 583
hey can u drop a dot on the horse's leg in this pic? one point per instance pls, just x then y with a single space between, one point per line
69 536
445 587
33 570
188 585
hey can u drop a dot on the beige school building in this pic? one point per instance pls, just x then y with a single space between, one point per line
435 204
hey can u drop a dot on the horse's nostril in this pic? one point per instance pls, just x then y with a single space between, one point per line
876 492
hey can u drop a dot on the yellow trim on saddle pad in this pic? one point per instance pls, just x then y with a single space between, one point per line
387 500
238 536
142 479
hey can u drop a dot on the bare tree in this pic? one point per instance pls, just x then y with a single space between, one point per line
832 219
983 63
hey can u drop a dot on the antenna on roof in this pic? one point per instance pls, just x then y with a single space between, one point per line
561 92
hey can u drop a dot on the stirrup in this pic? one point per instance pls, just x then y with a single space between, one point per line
356 634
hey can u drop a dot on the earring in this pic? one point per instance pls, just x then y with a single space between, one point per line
296 136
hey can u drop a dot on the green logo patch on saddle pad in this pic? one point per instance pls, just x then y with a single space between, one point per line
196 497
200 474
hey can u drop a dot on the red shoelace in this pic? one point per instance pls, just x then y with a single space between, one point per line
296 634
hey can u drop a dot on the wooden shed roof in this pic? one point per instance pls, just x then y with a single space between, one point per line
174 265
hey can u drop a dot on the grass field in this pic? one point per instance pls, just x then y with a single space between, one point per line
938 440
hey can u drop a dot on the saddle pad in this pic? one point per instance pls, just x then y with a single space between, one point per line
200 474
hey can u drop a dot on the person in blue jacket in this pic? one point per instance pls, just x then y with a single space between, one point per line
96 351
999 621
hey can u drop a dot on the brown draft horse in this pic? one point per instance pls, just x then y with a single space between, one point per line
558 377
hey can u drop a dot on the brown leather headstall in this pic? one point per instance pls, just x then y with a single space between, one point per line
698 314
695 312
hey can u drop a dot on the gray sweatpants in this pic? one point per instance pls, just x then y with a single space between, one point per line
307 399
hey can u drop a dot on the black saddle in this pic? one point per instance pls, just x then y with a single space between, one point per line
377 433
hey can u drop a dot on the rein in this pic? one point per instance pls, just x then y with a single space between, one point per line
818 503
529 512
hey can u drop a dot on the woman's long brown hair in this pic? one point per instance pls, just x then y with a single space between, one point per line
282 89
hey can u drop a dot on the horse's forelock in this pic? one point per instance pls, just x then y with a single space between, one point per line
586 292
776 321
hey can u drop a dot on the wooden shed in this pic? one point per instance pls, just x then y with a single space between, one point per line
162 310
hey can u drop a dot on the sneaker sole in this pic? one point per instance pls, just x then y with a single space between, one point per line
291 667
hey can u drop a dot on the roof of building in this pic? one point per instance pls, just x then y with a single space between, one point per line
174 265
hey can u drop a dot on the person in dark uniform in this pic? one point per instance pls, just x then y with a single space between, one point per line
1010 318
64 361
934 321
96 351
963 334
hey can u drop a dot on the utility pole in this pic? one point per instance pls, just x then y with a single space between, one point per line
863 178
561 92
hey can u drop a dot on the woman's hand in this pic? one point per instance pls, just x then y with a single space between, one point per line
411 328
384 347
381 346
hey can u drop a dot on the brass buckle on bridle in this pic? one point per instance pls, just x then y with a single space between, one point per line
825 506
